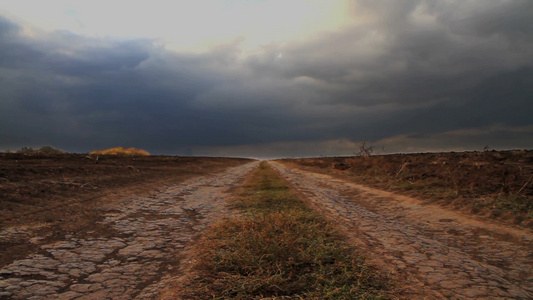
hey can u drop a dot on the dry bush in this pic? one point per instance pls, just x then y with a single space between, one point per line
46 150
120 151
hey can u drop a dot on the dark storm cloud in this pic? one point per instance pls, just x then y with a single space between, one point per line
410 72
84 93
441 65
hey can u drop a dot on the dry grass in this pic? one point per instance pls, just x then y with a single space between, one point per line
120 151
499 184
279 248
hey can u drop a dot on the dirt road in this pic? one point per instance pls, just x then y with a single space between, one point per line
435 252
136 255
138 248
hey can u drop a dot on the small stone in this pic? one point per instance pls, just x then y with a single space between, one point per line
104 294
151 254
68 295
101 277
473 292
4 283
94 257
6 272
426 269
434 278
75 272
27 283
12 288
449 284
118 284
35 240
42 289
131 250
84 288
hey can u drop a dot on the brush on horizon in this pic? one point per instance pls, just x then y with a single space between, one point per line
120 151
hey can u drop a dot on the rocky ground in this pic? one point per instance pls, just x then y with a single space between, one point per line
51 196
132 259
129 238
433 252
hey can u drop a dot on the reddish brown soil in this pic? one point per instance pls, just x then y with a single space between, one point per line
56 195
497 184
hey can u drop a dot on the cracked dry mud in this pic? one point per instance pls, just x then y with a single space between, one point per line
437 253
141 251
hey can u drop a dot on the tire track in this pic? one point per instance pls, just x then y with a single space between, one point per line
437 253
137 258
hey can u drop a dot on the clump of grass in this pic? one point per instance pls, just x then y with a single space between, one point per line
120 151
280 248
513 203
47 150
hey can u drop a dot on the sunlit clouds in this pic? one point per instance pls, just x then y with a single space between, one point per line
188 26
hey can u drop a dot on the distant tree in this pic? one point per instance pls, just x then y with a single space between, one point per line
26 150
43 150
364 149
49 150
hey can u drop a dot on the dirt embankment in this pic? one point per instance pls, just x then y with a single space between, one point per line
50 196
496 184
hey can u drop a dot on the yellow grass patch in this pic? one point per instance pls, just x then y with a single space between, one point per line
120 151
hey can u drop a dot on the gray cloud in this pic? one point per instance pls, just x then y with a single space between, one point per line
415 69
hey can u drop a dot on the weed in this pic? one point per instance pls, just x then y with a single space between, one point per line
451 179
514 203
281 248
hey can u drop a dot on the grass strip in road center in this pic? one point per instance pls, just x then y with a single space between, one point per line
279 248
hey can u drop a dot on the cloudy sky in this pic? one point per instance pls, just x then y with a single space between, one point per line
263 78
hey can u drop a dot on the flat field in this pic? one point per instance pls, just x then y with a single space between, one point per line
415 226
494 184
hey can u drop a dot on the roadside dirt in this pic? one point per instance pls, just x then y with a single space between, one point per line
134 245
433 252
494 184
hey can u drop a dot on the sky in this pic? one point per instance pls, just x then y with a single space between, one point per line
267 79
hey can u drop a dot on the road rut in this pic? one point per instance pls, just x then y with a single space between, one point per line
436 253
138 255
